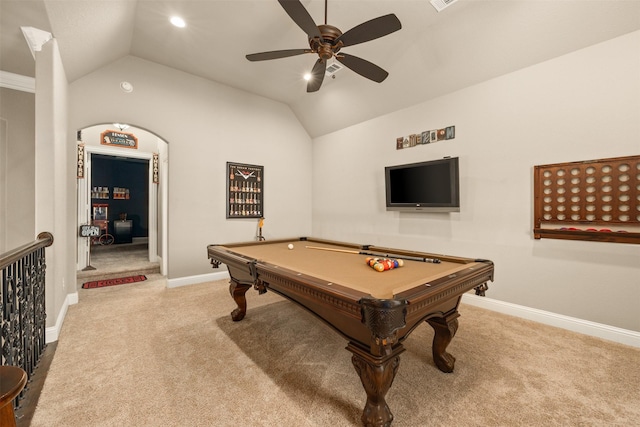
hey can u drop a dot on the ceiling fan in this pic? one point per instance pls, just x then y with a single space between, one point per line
327 40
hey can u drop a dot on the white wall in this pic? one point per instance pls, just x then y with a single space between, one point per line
205 125
17 168
581 106
55 179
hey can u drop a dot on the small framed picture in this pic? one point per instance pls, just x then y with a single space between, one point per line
433 135
100 211
245 196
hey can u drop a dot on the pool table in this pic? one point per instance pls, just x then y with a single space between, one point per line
374 311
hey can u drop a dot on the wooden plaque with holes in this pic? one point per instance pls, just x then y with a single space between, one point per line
597 200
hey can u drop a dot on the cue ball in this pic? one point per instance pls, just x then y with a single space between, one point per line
290 246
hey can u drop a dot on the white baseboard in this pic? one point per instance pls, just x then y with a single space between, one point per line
192 280
51 334
599 330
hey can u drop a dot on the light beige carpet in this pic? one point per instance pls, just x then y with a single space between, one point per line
145 355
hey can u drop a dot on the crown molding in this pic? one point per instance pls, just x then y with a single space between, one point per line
35 38
17 82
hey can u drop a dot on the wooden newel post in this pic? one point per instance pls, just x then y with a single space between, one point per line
12 381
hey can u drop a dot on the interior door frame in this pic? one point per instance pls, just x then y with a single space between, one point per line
84 201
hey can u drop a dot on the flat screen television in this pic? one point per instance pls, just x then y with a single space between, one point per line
432 186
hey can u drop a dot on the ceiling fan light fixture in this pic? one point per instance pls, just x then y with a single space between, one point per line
307 76
178 22
326 41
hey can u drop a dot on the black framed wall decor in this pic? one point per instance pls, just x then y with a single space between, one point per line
245 195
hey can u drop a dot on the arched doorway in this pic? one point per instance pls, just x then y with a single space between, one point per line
151 150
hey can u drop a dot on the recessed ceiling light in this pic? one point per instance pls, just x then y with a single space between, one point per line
178 22
126 86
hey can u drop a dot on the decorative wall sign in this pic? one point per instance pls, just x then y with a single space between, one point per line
80 163
89 231
425 137
245 198
155 163
119 139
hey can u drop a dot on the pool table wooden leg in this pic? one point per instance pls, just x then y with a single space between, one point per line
376 374
238 291
445 329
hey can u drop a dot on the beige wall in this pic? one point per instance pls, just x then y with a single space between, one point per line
17 168
581 106
55 179
205 125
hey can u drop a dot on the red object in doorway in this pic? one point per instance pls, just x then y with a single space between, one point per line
113 282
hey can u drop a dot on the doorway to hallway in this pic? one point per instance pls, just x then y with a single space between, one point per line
123 194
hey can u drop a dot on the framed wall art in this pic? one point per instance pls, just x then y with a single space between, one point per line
245 195
596 200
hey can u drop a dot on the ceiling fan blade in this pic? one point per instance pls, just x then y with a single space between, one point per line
276 54
301 17
363 67
317 75
371 30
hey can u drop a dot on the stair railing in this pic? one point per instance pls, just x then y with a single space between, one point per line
23 309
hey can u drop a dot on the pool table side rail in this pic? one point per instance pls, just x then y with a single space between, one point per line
341 310
292 239
219 254
465 280
441 298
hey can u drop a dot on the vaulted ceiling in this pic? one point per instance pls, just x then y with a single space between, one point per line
433 54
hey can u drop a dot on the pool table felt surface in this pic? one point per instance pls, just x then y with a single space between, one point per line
348 270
